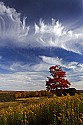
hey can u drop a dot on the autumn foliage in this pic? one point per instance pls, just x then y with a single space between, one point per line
57 79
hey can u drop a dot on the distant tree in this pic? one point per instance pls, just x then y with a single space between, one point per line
57 80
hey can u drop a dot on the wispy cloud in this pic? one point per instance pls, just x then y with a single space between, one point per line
53 34
32 76
35 79
23 81
57 35
74 69
11 26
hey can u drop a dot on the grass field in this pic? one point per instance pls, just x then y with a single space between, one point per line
64 110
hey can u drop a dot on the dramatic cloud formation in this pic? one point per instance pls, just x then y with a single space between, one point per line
43 35
11 26
27 51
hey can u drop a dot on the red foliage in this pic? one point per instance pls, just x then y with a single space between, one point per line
57 81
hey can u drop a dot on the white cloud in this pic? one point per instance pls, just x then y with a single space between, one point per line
18 67
57 35
55 28
13 30
28 81
32 77
51 60
45 63
23 81
78 85
44 35
11 26
74 70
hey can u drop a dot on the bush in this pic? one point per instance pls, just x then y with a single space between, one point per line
72 91
27 94
5 97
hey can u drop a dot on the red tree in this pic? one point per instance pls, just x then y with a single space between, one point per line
57 81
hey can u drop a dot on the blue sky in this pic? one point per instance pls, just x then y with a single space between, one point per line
36 34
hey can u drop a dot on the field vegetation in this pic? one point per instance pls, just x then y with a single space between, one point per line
41 109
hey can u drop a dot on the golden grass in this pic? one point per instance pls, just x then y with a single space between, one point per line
64 110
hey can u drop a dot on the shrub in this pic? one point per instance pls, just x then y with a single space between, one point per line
72 91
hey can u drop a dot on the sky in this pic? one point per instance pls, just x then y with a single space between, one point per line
36 34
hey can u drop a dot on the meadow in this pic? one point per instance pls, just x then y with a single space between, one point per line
42 110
